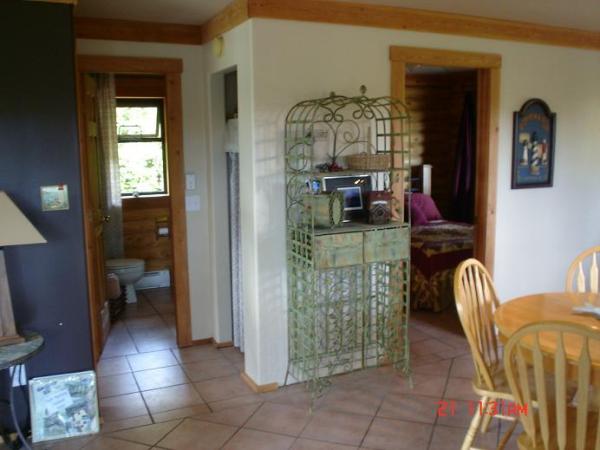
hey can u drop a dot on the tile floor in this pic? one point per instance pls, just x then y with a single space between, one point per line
153 395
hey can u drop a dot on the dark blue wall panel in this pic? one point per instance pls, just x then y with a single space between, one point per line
39 146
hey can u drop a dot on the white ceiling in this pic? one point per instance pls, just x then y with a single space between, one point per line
583 14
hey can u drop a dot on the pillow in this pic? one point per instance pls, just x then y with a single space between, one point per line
427 206
417 216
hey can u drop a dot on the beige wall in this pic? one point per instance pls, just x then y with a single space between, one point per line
538 230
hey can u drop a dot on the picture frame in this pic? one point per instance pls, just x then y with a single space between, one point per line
64 406
534 135
55 198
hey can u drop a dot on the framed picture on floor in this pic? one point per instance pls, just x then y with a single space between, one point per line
533 145
63 406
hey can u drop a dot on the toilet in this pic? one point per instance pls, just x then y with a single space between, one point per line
129 272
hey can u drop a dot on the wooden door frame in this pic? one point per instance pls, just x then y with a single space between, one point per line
488 113
171 70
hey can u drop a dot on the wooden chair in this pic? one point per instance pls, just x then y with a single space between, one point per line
557 422
576 278
476 302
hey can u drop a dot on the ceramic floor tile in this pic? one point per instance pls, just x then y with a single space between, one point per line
428 346
149 434
180 413
112 385
197 435
337 427
173 397
352 399
112 366
460 389
235 402
164 308
463 368
441 368
423 384
212 368
197 353
155 343
281 419
388 434
122 347
107 443
223 388
410 407
124 424
236 417
143 323
64 444
447 438
159 378
309 444
258 440
122 407
152 360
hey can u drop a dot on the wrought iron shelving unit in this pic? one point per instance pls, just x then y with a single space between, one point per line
348 302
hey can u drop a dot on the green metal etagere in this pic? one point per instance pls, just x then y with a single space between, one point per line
348 286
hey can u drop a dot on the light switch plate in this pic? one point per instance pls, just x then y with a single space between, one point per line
190 181
192 203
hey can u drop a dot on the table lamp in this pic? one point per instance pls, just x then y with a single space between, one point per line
15 229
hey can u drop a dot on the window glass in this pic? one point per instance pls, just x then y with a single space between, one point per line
142 165
138 121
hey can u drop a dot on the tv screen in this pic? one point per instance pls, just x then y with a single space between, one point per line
354 188
352 197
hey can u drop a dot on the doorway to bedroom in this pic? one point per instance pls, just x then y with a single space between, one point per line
453 101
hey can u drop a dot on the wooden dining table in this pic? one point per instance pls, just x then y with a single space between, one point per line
521 311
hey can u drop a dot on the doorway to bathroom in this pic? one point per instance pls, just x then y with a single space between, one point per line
134 204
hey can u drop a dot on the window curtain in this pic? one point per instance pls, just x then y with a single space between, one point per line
233 176
464 179
109 166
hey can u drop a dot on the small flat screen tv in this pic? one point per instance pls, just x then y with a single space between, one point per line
354 188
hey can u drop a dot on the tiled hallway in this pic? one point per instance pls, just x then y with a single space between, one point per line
156 396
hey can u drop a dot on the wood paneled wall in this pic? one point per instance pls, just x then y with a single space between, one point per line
435 102
140 219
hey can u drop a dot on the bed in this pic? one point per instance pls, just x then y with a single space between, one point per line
437 247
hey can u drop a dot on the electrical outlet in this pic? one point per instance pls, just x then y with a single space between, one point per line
321 135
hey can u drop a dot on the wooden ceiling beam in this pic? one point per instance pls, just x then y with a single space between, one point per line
64 2
127 30
420 20
230 17
367 15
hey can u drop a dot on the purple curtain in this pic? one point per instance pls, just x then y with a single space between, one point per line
464 177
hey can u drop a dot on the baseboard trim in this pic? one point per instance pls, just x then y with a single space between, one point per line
258 388
206 341
224 344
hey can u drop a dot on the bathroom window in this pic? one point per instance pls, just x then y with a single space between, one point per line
142 161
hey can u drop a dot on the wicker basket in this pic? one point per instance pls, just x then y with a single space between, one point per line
368 161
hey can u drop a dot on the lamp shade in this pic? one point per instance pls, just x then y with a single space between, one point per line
15 229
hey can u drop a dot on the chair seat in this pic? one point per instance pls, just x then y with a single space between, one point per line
525 442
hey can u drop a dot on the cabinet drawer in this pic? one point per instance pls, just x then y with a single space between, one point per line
338 250
386 245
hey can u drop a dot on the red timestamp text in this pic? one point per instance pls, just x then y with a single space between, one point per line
488 408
